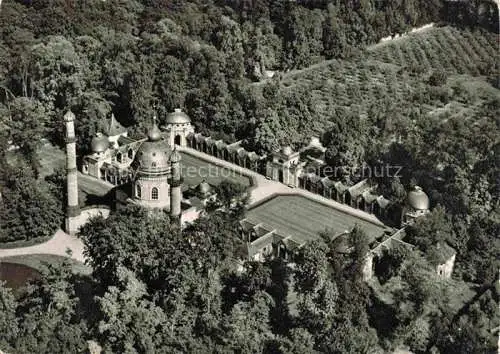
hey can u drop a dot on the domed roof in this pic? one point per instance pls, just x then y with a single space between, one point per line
153 154
99 143
154 134
314 142
204 188
178 117
287 150
417 199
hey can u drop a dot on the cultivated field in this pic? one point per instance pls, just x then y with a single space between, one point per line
396 72
305 219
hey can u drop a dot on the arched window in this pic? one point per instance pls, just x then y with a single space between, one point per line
154 193
130 154
119 157
138 191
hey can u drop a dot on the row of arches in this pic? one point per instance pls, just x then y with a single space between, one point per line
234 154
369 204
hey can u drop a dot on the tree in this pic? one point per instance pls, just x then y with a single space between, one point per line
298 341
229 40
269 134
49 317
246 328
334 41
430 230
56 73
438 78
27 124
317 293
9 326
231 194
345 142
130 322
28 209
302 36
124 239
140 92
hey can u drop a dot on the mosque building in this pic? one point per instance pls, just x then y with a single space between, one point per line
147 171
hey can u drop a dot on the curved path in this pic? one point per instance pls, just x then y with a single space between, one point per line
61 244
58 245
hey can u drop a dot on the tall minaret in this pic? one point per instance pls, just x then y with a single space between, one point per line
73 210
175 186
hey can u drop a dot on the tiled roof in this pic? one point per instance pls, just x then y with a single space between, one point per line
114 127
123 140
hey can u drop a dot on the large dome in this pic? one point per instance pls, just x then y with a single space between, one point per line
178 117
417 199
99 143
153 155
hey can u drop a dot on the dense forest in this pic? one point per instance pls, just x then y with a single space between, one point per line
136 58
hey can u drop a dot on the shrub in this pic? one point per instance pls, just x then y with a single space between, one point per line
29 209
438 78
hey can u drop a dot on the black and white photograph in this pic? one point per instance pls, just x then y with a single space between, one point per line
249 177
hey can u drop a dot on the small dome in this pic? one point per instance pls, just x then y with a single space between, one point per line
154 134
178 117
204 188
287 150
69 116
99 143
175 156
417 199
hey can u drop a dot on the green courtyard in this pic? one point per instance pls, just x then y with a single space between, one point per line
305 218
195 170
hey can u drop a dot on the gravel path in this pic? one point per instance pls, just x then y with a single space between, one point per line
58 245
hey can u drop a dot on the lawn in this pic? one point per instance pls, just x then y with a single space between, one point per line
304 218
195 170
51 158
40 262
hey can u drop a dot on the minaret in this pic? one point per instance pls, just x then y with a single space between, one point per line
73 210
175 186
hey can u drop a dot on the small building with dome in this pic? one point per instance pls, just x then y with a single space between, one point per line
151 172
147 171
417 205
111 155
177 128
285 166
